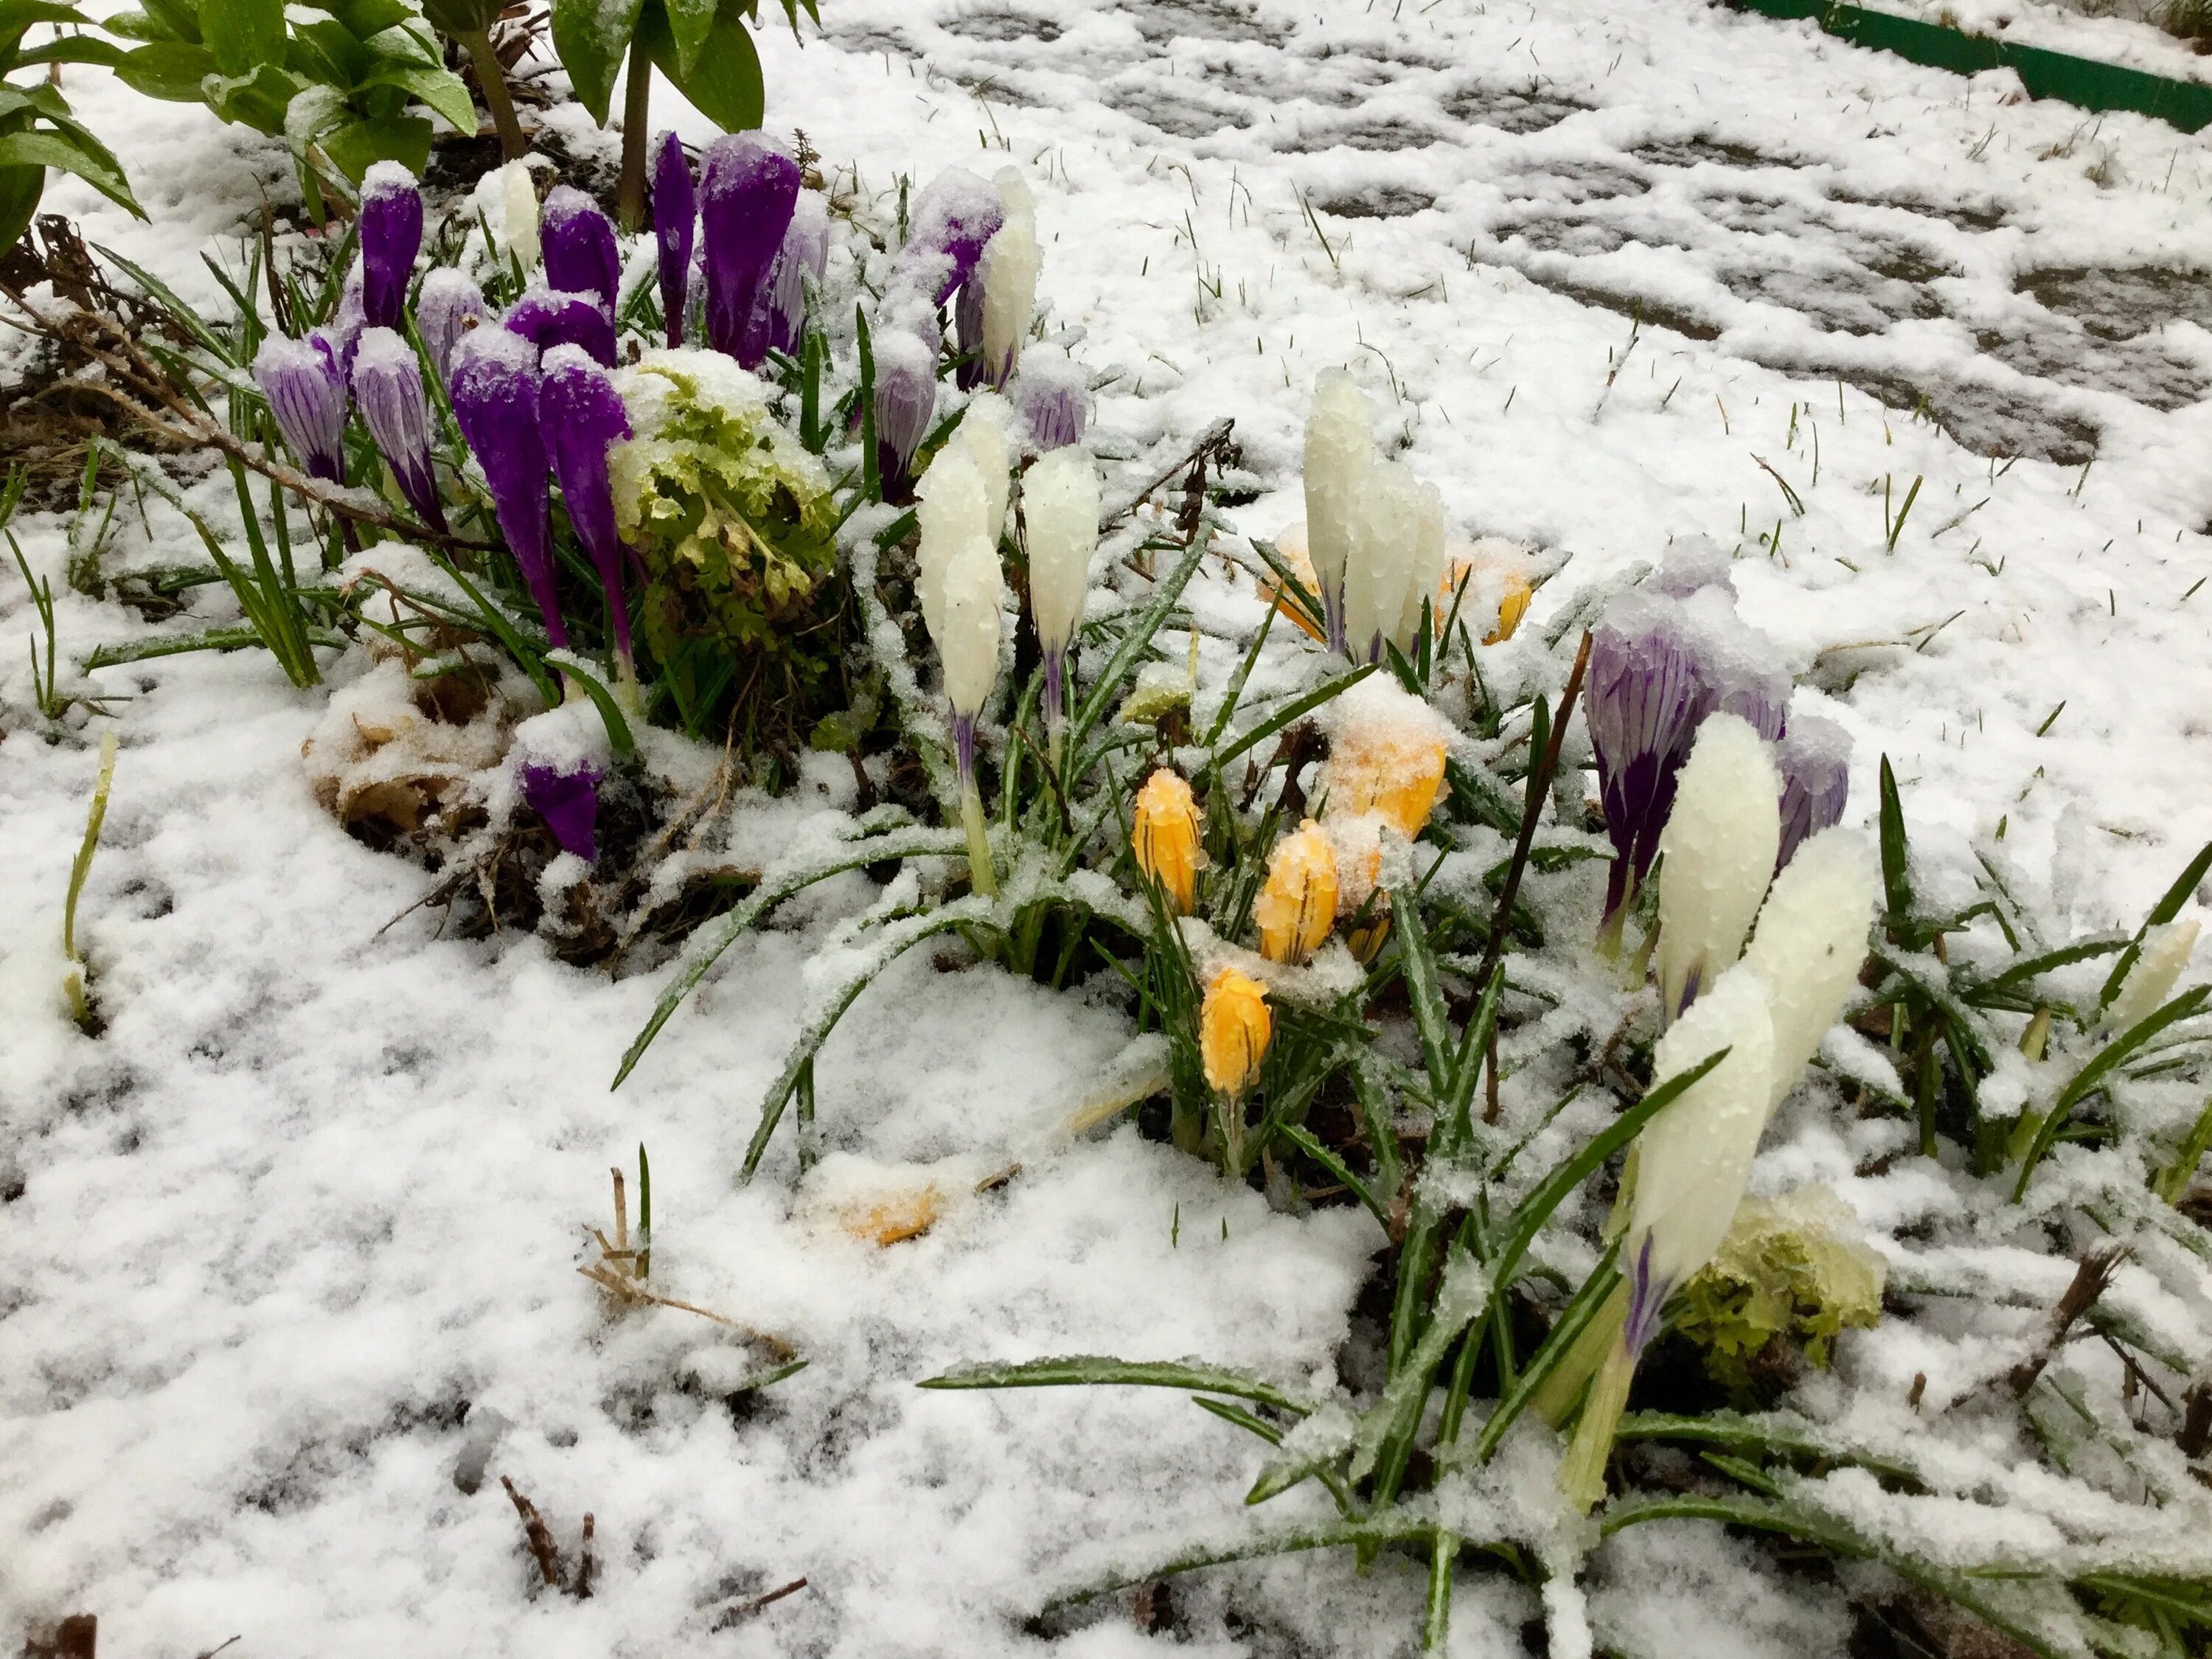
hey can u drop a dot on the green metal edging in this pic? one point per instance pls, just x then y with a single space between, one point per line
2082 81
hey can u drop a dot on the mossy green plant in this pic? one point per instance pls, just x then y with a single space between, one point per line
1795 1267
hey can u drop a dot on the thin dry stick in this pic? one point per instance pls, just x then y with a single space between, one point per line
2195 1438
585 1563
2090 1280
536 1535
1213 439
737 1610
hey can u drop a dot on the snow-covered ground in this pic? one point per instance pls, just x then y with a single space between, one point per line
294 1239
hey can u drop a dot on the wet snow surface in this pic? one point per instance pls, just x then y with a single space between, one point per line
292 1246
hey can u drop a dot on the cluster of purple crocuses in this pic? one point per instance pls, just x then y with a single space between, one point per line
1665 655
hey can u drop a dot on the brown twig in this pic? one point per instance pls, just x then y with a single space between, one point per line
2195 1437
628 1290
537 1535
1211 441
737 1610
2090 1280
585 1563
1540 789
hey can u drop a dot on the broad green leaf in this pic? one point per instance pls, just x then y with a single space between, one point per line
136 25
171 69
690 23
39 149
328 52
258 100
74 49
592 37
243 35
441 89
724 81
20 189
181 18
358 145
364 18
458 17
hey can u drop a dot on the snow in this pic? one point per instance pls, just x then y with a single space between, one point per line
290 1248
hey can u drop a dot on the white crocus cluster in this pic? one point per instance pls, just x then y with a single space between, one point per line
1339 453
1719 846
1059 514
1376 533
1010 279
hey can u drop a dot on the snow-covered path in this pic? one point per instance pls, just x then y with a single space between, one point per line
315 1196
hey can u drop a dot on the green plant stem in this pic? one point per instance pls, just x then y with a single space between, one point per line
980 876
493 79
637 118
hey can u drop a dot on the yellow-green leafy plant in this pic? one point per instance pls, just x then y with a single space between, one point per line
1793 1268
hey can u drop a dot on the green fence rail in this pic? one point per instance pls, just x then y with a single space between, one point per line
2082 81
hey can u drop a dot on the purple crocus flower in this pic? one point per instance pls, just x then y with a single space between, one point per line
579 243
968 331
955 215
387 383
675 216
494 391
907 303
569 804
747 192
1735 664
906 398
343 329
547 319
1690 565
1640 701
1815 759
307 393
804 253
391 226
582 416
449 305
1052 395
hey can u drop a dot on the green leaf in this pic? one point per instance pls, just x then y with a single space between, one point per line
75 49
689 24
366 18
2085 1081
724 80
180 18
358 145
1092 1369
611 715
170 69
260 101
463 16
1136 639
136 25
1297 709
329 52
1896 877
590 38
243 35
20 189
43 148
441 89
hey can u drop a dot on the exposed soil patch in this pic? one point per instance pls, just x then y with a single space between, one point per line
1587 181
1384 136
1524 112
1204 20
1377 202
1654 313
1549 233
1175 112
1701 151
1987 420
1962 215
2122 304
1003 26
2139 369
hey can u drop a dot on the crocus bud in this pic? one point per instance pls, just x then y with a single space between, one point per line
1815 757
581 255
1639 700
449 305
1234 1027
907 306
906 399
954 216
1164 836
547 319
2165 953
1810 943
302 382
1426 569
675 214
984 433
968 325
508 196
569 804
1052 395
1297 906
951 510
1381 566
1734 664
494 391
969 648
391 228
1719 844
1692 564
1010 277
1340 451
803 257
1386 755
387 385
343 329
582 416
1060 511
746 195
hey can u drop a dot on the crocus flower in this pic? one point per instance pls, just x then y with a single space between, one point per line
343 329
1719 844
906 399
1810 943
803 257
547 319
955 216
1640 701
494 391
952 511
1060 512
391 227
1734 664
1425 571
579 243
1010 277
1052 395
1690 565
508 199
1164 837
1385 545
1386 755
1340 451
569 804
1234 1027
2164 954
581 415
747 192
986 433
449 305
1692 1162
387 385
969 649
675 216
307 393
968 333
1815 758
1297 906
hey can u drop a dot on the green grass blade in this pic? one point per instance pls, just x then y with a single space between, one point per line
1135 642
1296 709
1091 1371
2085 1081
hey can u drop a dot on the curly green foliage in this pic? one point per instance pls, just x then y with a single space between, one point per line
1792 1267
734 521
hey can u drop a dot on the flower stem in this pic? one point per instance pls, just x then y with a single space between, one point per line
512 146
981 875
637 118
1582 1474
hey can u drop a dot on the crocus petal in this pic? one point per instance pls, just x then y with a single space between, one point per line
494 391
906 398
579 245
1815 758
804 256
449 305
747 192
547 319
387 385
1339 451
1060 511
582 415
569 804
1719 844
391 228
306 390
675 221
1640 702
343 329
1052 394
955 215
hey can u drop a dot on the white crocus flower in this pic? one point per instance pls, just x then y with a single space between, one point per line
952 508
986 433
1719 844
1811 942
967 648
1059 512
2165 953
1340 451
1384 540
519 219
1425 571
1010 280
